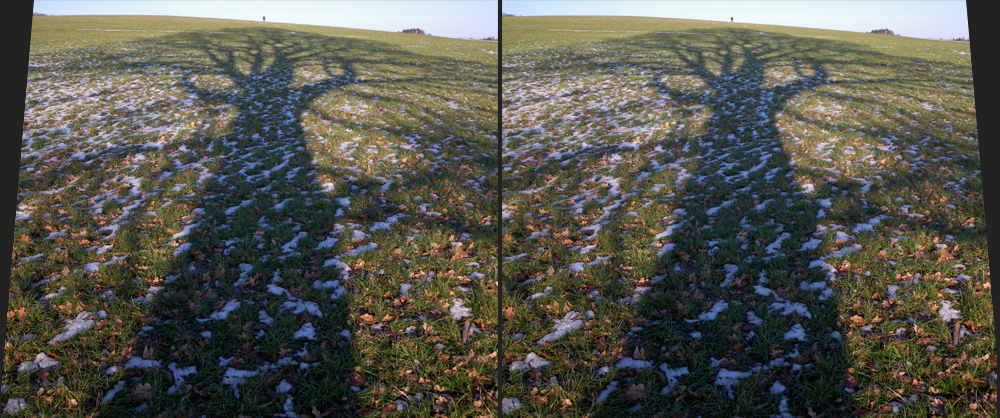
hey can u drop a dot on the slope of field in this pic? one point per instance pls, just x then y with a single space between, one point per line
708 219
221 218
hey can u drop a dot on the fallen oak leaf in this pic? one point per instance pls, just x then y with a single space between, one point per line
635 393
142 391
317 414
441 404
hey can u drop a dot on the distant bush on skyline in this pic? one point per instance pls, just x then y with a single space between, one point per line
883 32
415 30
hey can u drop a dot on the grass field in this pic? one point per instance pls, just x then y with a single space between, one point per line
708 219
224 218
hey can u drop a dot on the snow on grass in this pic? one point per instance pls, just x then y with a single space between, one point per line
729 378
15 405
223 313
307 331
870 225
114 391
812 244
672 376
532 361
41 361
712 211
181 249
569 322
788 308
731 270
289 408
773 248
235 377
74 326
845 251
714 312
290 245
796 333
458 311
510 405
140 363
603 396
327 243
630 363
179 375
387 223
297 306
947 313
284 386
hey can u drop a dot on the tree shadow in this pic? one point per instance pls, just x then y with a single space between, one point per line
334 231
731 309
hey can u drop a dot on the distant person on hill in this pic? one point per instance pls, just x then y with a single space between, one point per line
264 18
730 19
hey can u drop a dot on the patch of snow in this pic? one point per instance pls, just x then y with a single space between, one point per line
948 313
797 333
532 361
74 326
41 361
459 312
568 323
307 332
728 378
114 391
510 405
601 397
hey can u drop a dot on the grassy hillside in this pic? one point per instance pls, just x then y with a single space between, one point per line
222 218
68 32
713 219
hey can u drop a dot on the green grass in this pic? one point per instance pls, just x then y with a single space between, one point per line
621 122
165 132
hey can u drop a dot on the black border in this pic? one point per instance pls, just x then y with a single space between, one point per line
499 212
980 17
19 37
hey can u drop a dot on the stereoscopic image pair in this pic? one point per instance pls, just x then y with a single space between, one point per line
597 217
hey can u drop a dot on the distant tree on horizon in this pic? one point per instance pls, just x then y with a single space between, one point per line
415 30
883 32
38 14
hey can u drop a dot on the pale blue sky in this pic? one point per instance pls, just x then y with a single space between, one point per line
914 18
451 18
